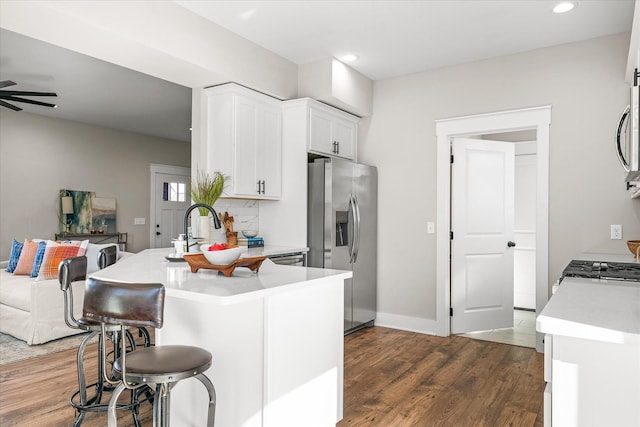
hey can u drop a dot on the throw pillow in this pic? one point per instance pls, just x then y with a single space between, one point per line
16 248
55 253
37 261
28 254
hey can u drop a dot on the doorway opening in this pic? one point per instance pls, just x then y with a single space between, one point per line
170 198
495 300
536 120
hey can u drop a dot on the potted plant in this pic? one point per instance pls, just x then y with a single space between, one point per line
206 189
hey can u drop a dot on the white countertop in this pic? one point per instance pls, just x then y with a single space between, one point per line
602 310
150 266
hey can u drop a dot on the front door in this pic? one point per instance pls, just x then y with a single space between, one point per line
170 200
482 220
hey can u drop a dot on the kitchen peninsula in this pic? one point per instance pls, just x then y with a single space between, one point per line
592 353
276 337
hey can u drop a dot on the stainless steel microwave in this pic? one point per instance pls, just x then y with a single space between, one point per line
629 152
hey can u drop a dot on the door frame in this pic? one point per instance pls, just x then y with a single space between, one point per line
537 118
155 169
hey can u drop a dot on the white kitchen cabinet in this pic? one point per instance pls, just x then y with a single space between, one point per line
331 132
243 132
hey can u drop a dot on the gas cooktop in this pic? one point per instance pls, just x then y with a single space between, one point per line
603 270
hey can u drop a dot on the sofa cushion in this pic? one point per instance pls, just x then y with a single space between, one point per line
55 253
16 248
16 291
28 254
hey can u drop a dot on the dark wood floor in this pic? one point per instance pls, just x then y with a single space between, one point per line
396 378
392 378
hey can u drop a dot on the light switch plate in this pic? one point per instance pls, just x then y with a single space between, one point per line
431 227
139 221
616 231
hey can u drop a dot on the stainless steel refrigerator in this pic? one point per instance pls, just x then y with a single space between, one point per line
342 231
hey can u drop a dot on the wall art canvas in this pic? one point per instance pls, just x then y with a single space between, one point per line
103 215
80 220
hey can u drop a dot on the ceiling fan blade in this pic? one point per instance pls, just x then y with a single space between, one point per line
25 93
6 83
13 107
29 101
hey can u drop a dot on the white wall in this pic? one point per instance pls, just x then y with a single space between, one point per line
39 156
584 84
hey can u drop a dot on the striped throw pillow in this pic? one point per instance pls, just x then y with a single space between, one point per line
55 253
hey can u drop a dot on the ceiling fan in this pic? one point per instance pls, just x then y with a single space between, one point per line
15 96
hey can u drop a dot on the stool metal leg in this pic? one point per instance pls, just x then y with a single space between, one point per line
82 382
92 403
162 405
112 419
212 398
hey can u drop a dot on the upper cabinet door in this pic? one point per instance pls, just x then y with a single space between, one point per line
332 132
320 132
244 141
345 132
269 152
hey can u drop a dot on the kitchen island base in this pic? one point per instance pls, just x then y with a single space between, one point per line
277 360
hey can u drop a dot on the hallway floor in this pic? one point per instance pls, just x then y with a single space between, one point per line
522 334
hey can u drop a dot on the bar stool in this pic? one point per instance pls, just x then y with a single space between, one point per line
107 256
138 305
72 270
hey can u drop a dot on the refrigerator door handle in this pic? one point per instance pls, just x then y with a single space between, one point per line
356 228
352 237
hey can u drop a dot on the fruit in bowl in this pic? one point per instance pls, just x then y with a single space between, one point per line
220 253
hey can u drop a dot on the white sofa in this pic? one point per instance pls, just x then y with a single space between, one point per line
33 311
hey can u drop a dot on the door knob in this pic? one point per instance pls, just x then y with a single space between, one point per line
511 244
157 233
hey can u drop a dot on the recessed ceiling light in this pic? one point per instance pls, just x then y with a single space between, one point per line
564 6
349 57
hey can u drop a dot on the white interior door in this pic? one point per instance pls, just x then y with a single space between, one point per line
170 199
482 219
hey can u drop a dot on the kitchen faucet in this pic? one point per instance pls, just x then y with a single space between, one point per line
216 220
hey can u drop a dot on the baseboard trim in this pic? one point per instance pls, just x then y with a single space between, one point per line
406 323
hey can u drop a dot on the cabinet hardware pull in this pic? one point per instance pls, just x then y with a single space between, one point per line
258 191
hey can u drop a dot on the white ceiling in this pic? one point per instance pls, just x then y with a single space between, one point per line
391 38
397 37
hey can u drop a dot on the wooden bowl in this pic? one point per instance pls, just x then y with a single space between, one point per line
197 261
633 246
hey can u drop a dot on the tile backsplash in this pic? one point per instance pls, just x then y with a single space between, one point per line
245 213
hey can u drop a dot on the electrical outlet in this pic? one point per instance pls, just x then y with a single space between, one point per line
616 231
139 221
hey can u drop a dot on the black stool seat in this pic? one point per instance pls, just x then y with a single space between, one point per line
91 325
165 363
